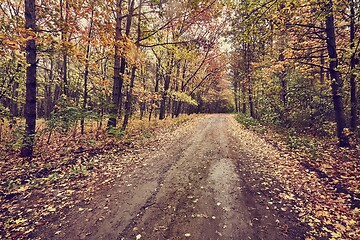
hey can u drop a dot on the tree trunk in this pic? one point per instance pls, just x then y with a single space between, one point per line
119 65
86 74
64 39
175 102
169 104
118 79
178 108
251 102
353 62
336 81
157 79
180 103
250 92
128 100
47 101
164 97
143 102
30 104
243 83
167 79
64 69
282 76
243 97
48 91
133 70
283 89
236 94
322 72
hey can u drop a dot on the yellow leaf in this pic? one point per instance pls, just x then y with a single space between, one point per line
22 189
352 222
336 235
20 220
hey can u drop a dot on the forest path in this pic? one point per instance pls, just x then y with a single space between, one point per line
205 181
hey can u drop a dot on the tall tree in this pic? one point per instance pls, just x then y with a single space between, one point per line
353 61
30 105
64 6
336 80
118 79
86 73
133 70
167 79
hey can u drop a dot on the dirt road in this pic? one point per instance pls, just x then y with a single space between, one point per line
207 180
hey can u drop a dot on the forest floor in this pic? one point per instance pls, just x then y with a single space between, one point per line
206 178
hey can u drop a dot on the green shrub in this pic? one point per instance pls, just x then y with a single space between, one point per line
78 171
246 120
64 119
115 132
250 123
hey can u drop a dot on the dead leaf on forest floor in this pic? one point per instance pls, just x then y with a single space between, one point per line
67 172
321 180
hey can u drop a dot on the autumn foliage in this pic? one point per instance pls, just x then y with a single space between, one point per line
81 77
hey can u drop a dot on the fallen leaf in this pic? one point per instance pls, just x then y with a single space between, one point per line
51 209
20 220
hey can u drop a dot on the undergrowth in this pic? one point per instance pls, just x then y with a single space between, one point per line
295 141
250 123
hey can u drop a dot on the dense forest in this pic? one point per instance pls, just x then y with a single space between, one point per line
289 63
296 64
84 81
70 62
